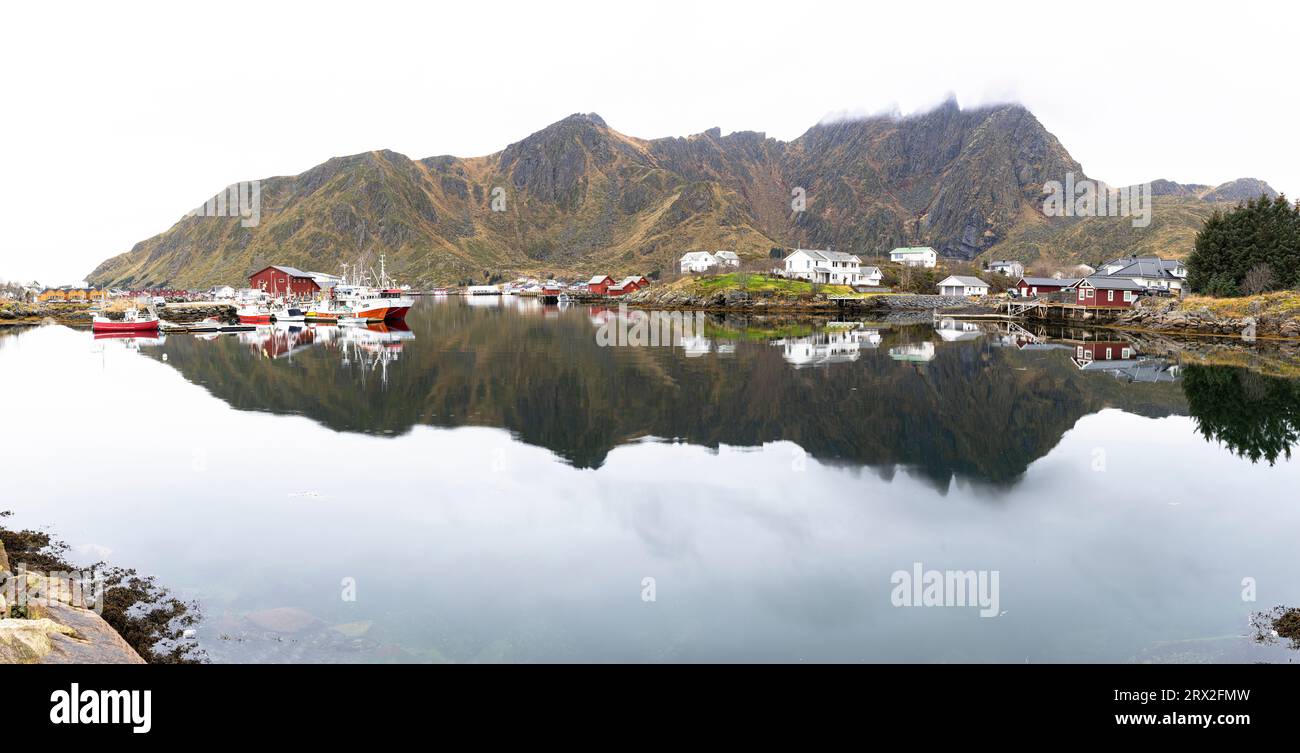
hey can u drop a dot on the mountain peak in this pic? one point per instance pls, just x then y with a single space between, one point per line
587 118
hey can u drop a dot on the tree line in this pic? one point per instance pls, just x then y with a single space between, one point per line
1250 249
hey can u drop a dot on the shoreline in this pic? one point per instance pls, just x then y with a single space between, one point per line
1193 317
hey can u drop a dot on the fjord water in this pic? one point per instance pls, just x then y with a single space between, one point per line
495 485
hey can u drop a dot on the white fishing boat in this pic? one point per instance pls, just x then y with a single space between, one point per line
289 313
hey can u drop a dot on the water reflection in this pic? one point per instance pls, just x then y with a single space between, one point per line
1254 415
502 496
981 401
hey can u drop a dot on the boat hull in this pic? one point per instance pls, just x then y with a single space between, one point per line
119 327
254 318
381 312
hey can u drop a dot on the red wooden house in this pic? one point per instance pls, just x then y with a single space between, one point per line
1038 285
628 285
1107 292
282 281
600 284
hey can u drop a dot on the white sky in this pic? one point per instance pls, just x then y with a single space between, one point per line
119 117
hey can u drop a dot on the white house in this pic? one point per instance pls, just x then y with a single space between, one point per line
871 276
831 267
1148 271
698 261
1008 267
918 256
955 285
223 293
727 258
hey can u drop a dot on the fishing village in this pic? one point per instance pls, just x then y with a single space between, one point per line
1144 293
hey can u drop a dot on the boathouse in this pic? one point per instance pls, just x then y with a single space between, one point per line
279 281
599 285
1100 291
1038 285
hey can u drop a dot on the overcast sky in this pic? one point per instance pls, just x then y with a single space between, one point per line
119 117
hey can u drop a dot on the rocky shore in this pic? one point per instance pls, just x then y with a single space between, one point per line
53 630
1252 318
80 314
54 612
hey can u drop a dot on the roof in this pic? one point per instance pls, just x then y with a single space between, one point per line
1064 282
967 281
871 270
1154 268
291 271
696 256
726 255
912 250
825 255
599 278
1109 282
629 280
1006 263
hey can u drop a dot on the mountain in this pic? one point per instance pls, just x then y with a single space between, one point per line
1178 210
579 197
1233 191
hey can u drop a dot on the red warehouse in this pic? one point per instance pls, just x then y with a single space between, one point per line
281 281
1107 292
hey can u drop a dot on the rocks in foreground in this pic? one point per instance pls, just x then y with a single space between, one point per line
53 631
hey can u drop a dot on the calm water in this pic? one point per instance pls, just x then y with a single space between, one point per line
495 485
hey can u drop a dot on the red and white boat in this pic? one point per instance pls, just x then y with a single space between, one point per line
133 320
389 304
385 303
254 315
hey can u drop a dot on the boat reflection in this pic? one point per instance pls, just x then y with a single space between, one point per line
373 347
131 339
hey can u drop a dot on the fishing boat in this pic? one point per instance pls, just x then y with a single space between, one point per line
357 321
384 303
322 311
254 314
133 320
289 314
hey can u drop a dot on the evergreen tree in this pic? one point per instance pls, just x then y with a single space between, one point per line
1261 233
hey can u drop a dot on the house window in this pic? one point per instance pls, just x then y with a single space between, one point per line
1108 354
1125 353
1110 295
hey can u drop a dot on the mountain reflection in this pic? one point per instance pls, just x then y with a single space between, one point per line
944 400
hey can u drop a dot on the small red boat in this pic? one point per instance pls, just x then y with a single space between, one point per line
132 321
